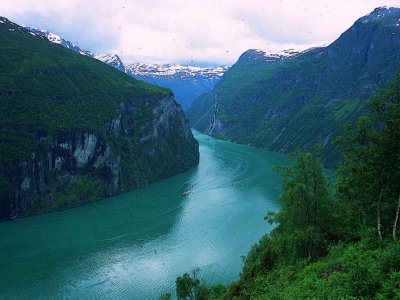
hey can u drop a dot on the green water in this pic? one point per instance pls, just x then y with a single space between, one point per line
134 245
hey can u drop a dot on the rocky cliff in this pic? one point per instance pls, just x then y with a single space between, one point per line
74 130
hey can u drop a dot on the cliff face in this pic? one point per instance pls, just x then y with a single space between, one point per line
68 170
87 166
74 130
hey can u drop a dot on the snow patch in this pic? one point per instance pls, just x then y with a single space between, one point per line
173 70
111 59
54 38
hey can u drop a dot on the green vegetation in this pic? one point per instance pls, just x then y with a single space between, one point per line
189 286
47 88
300 101
80 190
58 107
359 270
334 245
303 221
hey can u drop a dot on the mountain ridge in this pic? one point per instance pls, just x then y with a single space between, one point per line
74 130
296 102
187 82
175 70
111 59
56 39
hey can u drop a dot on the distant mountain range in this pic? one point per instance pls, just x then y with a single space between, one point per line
175 71
294 100
187 82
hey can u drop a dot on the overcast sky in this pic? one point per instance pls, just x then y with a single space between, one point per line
201 32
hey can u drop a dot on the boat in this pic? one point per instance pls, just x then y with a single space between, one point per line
189 190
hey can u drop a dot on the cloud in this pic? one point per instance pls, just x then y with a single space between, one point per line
187 31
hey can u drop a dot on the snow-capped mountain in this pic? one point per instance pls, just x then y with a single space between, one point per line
257 55
261 56
56 39
112 60
187 82
175 71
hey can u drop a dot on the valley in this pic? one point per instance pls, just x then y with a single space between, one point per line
134 245
128 173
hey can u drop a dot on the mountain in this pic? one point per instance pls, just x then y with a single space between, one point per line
187 82
56 39
289 102
259 56
74 130
111 59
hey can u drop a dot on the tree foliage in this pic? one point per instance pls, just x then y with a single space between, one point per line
368 180
46 88
189 287
342 246
302 228
363 214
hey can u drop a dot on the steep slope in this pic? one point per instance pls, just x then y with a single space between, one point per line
111 59
56 39
187 82
74 130
302 99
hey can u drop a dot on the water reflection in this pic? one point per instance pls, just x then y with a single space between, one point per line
134 245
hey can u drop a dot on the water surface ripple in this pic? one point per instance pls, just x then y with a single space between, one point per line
134 245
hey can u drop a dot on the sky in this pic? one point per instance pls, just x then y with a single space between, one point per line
201 32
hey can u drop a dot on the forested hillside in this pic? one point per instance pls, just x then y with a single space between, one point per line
335 240
296 101
74 130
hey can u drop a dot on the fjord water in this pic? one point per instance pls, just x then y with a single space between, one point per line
134 245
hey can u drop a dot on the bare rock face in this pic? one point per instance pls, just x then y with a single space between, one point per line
76 168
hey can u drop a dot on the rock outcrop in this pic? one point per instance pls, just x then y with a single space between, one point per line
74 130
97 165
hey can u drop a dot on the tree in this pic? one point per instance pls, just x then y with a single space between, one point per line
368 180
165 296
303 225
189 286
